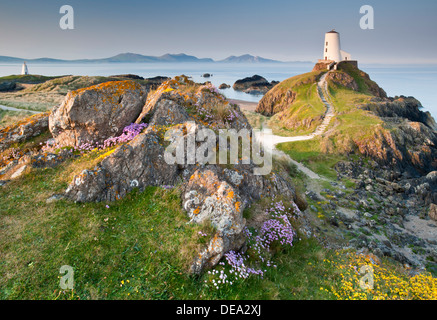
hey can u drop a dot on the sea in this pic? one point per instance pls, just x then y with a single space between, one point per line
419 81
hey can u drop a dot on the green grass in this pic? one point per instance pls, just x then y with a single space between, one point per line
306 108
32 106
144 238
138 248
350 127
29 78
308 152
8 117
256 120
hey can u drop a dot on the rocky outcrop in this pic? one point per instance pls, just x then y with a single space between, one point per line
367 85
282 96
343 79
401 107
135 165
392 211
7 86
24 130
253 85
96 113
224 86
271 104
210 193
411 147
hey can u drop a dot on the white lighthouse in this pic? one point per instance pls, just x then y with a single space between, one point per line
24 69
332 48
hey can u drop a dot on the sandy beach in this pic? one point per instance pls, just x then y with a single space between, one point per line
245 105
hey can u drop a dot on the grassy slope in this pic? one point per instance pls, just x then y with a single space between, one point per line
350 125
143 238
8 117
308 153
307 105
138 248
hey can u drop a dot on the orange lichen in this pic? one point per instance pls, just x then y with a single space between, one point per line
237 206
111 90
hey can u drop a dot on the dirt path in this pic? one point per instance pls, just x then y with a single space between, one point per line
270 140
19 110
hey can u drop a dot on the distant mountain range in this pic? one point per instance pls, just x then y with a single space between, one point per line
247 58
134 57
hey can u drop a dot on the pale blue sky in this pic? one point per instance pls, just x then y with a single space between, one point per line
277 29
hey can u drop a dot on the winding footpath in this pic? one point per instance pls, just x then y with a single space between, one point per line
270 140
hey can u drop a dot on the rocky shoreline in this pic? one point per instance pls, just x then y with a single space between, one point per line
390 215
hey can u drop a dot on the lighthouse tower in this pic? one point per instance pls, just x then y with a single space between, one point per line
24 69
333 56
332 49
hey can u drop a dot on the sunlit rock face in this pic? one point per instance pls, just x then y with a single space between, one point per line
96 113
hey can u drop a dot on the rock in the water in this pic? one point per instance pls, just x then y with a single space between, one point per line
96 113
224 86
253 85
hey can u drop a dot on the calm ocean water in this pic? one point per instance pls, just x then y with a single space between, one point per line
419 81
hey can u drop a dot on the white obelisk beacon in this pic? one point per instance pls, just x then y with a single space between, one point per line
332 49
24 69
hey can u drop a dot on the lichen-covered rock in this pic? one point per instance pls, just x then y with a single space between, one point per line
211 193
179 100
219 196
96 113
24 130
138 164
208 199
